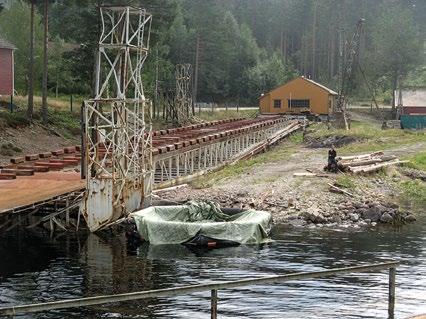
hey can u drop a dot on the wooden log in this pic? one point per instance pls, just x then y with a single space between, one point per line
359 163
336 189
374 167
365 162
361 156
311 175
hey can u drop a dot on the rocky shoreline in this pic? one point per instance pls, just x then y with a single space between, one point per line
333 211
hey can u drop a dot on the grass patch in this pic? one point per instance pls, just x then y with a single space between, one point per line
266 180
68 123
417 161
62 103
14 119
8 149
372 138
221 115
414 191
278 153
346 181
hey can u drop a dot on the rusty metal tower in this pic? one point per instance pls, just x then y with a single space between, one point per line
183 97
117 121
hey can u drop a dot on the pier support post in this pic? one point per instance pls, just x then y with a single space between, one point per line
214 304
391 305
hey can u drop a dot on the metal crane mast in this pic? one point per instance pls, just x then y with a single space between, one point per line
349 56
117 121
183 97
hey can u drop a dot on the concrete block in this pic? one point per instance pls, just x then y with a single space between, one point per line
31 157
45 155
17 160
69 149
58 152
52 166
7 176
18 172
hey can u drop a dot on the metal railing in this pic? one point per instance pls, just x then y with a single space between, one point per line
212 287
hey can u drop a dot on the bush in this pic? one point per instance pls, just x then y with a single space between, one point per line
8 149
14 119
414 191
70 122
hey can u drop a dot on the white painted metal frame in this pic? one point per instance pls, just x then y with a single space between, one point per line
183 97
206 157
118 137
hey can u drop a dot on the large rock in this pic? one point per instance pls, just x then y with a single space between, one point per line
386 218
354 217
373 214
410 218
382 208
314 215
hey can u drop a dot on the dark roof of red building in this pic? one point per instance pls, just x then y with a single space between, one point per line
6 45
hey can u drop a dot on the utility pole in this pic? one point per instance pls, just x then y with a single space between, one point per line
45 61
30 107
156 106
314 35
195 90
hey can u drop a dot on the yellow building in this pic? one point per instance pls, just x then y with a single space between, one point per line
299 96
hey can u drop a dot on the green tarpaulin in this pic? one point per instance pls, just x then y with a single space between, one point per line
178 224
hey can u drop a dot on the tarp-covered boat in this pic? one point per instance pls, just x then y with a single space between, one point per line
201 223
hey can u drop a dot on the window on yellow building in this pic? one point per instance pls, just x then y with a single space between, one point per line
277 104
299 103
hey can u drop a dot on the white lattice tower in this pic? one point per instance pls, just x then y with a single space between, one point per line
183 98
117 133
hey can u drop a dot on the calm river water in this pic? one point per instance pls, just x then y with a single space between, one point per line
34 268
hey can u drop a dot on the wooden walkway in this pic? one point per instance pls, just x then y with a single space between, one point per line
30 190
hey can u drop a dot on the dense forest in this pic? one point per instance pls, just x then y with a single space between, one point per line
243 47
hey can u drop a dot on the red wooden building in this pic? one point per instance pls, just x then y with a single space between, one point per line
411 101
6 67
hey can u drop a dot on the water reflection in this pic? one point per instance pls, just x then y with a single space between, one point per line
37 268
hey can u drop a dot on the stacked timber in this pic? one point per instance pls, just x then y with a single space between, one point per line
366 163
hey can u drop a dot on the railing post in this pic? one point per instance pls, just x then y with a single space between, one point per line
214 304
391 305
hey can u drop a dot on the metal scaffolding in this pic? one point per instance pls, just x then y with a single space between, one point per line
183 97
117 121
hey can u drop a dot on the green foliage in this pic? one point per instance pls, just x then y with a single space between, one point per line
414 190
67 122
267 74
346 181
245 47
15 27
8 149
418 161
370 138
221 115
14 119
395 46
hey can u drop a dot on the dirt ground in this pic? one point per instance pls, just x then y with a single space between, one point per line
272 186
29 140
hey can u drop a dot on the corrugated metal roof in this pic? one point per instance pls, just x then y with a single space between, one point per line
321 86
6 45
412 97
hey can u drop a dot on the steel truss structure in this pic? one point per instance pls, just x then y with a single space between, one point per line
183 97
117 135
178 166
